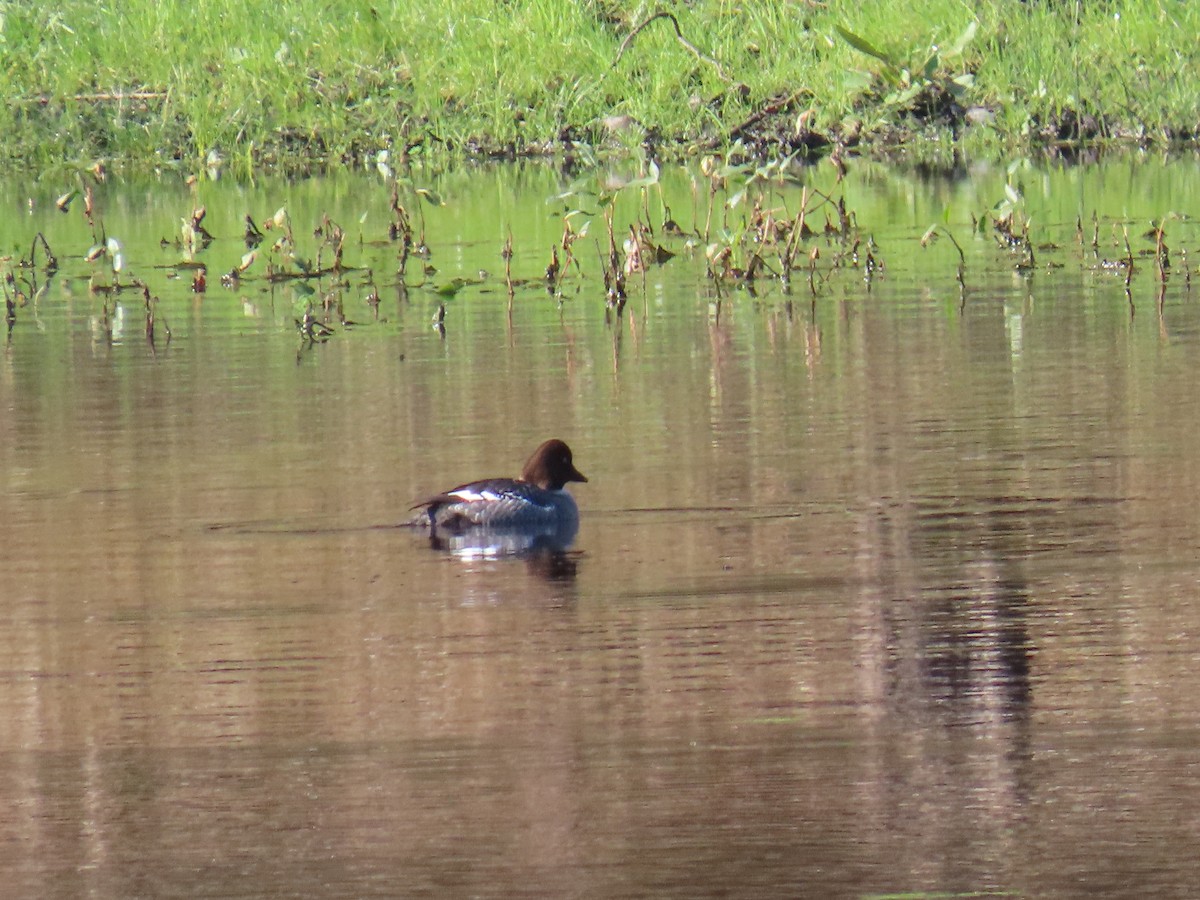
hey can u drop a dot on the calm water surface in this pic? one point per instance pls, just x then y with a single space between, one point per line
876 593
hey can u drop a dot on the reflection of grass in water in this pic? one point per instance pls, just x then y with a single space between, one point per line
304 79
822 227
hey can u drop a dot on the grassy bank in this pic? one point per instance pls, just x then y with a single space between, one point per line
303 80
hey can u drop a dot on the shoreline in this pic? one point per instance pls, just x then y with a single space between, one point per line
535 78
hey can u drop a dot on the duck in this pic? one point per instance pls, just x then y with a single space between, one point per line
535 509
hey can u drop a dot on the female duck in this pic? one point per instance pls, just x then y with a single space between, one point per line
537 502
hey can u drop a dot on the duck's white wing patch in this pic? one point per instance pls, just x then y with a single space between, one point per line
473 495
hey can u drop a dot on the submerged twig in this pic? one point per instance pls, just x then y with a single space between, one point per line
506 255
929 236
1128 261
51 261
10 300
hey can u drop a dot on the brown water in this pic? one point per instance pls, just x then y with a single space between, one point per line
872 595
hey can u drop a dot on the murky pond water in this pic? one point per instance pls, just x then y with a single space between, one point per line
876 591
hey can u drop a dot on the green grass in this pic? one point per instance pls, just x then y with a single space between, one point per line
304 80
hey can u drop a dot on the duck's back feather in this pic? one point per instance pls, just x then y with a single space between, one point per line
498 502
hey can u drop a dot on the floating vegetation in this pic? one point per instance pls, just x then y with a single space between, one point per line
766 232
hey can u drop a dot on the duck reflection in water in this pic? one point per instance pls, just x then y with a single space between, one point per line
533 515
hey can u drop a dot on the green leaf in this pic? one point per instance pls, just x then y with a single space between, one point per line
647 181
733 171
453 286
856 81
931 65
963 39
430 197
906 96
580 187
862 45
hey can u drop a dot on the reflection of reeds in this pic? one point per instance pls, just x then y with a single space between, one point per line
506 255
767 230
